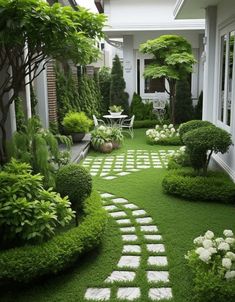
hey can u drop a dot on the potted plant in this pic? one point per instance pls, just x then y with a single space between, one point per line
101 140
115 110
77 124
116 137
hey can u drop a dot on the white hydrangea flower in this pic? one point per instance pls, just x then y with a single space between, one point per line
207 243
170 126
205 255
177 134
173 130
224 246
228 233
230 255
198 240
209 235
219 240
199 250
226 263
230 240
230 275
212 250
157 127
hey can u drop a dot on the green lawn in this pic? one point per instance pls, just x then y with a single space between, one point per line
179 221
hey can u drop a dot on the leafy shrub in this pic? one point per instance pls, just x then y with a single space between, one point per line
76 122
216 186
116 134
202 142
192 125
29 262
178 159
28 212
75 182
39 147
141 110
183 104
104 135
212 261
165 135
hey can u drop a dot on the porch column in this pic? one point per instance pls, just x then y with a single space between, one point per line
129 65
42 97
209 66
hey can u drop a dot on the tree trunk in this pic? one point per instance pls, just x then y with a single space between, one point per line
172 84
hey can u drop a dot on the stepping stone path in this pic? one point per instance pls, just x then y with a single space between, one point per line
113 166
138 235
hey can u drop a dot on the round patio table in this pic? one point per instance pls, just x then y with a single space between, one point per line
116 120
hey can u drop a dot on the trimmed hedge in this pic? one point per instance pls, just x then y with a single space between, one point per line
145 124
29 262
192 125
216 186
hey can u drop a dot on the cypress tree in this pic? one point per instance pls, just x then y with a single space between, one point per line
105 82
118 96
183 105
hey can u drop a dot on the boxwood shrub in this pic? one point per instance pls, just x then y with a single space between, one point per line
192 125
216 186
26 263
145 124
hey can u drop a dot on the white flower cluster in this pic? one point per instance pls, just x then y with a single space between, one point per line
209 249
104 129
160 133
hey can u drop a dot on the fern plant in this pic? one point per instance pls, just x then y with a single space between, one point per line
40 148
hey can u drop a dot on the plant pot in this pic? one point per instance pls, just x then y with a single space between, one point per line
115 113
106 147
116 145
77 137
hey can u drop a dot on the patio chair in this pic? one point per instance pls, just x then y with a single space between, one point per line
127 125
97 122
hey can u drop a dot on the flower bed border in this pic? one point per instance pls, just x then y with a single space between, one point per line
29 262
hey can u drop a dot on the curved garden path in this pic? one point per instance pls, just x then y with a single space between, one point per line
143 263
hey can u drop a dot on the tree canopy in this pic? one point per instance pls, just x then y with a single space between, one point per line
32 32
173 59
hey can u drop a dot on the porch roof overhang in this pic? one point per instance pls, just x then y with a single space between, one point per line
117 31
192 9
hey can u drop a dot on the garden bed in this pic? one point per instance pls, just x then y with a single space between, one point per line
29 262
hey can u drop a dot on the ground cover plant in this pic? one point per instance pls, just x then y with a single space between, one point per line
179 221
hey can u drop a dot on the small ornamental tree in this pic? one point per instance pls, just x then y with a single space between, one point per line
31 33
118 96
105 82
202 142
173 59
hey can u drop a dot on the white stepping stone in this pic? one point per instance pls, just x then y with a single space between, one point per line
106 195
105 170
123 173
158 260
110 177
110 208
134 170
153 237
156 248
130 206
128 293
123 221
128 230
120 200
118 214
149 228
103 174
157 294
139 213
98 294
121 276
93 173
144 220
95 167
117 170
157 167
129 261
129 238
157 276
131 248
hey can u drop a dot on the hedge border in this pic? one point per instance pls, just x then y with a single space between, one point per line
216 187
26 263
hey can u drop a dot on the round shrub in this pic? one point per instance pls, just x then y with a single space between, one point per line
191 125
202 142
26 263
216 186
75 182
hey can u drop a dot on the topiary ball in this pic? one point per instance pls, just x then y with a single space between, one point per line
75 182
192 125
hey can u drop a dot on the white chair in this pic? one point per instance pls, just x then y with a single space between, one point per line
97 122
159 108
127 125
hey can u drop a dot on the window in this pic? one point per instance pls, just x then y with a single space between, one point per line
226 77
153 85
